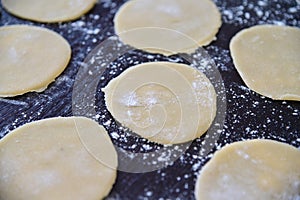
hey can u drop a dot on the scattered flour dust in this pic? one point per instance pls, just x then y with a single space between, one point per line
258 12
87 32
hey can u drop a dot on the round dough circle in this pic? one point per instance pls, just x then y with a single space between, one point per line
31 58
267 58
167 26
50 10
164 102
255 169
47 160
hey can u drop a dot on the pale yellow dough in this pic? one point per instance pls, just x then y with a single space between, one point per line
31 58
255 169
47 160
167 26
48 10
268 59
164 102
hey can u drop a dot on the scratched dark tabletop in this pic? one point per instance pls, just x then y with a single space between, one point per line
248 114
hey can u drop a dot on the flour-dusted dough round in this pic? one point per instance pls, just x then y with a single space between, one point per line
48 159
48 10
268 59
255 169
31 58
164 102
167 26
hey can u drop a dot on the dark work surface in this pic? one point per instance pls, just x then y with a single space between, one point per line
248 114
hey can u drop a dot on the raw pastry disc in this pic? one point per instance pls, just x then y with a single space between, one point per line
49 10
167 26
267 58
164 102
255 169
31 58
59 158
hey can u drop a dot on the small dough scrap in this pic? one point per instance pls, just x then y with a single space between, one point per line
165 102
167 26
48 160
49 11
31 58
255 169
267 58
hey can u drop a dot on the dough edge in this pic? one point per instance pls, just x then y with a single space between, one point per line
57 20
114 82
45 83
235 38
203 42
14 133
234 145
